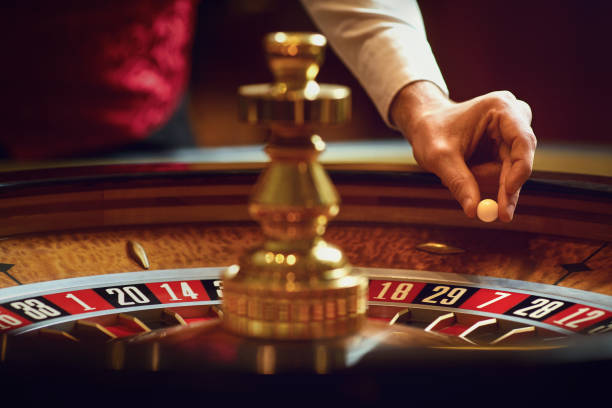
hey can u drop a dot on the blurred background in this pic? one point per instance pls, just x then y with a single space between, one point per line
552 54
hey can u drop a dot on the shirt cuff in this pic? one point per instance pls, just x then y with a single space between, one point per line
392 59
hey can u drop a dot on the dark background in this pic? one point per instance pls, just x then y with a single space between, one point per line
552 54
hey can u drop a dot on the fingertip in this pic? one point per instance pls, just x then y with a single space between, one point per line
507 215
460 181
507 205
469 207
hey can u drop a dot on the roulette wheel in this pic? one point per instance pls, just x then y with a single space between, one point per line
113 274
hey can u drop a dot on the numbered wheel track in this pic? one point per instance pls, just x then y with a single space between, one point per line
476 313
525 296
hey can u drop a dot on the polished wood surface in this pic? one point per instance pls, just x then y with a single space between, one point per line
79 221
512 255
560 207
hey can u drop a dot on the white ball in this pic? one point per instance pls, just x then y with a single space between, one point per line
487 210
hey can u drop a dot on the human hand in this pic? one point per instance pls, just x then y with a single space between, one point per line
485 144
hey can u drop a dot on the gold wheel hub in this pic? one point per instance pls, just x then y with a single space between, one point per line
294 286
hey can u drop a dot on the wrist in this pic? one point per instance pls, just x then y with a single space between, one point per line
413 102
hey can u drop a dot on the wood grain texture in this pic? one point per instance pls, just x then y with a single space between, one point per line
78 223
41 257
208 196
503 254
599 278
5 281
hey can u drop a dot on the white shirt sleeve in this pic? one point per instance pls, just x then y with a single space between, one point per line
382 42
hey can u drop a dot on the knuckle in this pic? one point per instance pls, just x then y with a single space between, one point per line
526 110
529 139
503 99
532 140
525 168
525 106
505 95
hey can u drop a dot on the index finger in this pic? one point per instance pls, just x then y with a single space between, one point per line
520 139
506 201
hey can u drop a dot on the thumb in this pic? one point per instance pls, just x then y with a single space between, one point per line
457 177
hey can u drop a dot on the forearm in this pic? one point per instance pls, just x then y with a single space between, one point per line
382 42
